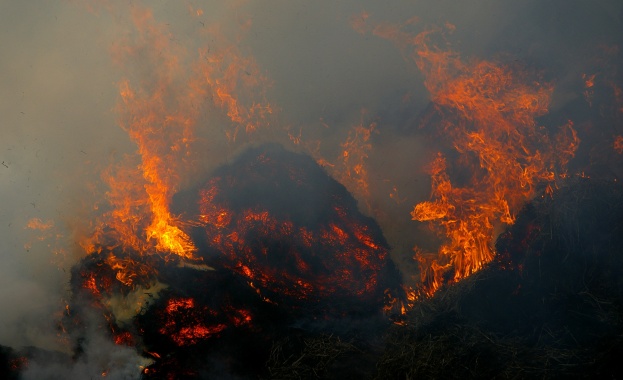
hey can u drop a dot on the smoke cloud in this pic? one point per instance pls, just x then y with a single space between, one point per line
64 63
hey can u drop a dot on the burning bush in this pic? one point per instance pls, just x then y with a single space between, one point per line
281 245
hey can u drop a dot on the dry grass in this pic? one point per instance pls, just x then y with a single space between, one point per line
306 358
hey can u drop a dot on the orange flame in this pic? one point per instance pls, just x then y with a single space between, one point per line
488 113
38 224
589 84
141 190
355 152
159 109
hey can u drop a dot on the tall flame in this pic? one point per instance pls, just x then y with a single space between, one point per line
158 121
170 92
488 112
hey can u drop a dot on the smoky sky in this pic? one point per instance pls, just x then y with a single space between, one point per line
59 94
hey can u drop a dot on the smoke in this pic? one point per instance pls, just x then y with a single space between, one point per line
99 357
60 110
52 138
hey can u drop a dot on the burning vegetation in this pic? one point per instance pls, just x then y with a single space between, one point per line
549 305
246 252
500 157
279 244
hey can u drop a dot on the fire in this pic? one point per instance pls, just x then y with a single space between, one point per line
181 323
38 224
279 239
128 269
158 109
224 73
141 190
175 261
184 321
124 338
281 248
355 152
488 113
589 84
618 144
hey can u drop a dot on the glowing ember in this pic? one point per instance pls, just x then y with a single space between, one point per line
292 232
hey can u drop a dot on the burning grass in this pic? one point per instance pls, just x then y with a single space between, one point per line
548 307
